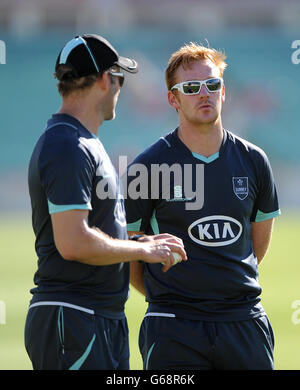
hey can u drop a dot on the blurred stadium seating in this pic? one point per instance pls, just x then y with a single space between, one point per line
263 94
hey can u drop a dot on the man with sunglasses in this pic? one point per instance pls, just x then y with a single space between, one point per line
76 316
204 313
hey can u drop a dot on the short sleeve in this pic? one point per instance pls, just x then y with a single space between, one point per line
266 204
139 206
66 173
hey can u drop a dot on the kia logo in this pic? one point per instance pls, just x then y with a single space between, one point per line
216 230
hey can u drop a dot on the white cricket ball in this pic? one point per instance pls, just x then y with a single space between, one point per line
176 257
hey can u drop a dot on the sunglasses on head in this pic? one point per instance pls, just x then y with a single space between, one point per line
116 73
193 87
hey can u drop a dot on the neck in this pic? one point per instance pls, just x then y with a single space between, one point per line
205 139
83 111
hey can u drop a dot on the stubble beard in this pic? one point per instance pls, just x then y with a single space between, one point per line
110 110
200 120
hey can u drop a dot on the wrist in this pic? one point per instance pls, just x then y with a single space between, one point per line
136 237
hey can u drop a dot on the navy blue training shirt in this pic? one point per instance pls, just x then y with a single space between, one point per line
70 169
234 187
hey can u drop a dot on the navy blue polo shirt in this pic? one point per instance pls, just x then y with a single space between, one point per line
210 204
70 169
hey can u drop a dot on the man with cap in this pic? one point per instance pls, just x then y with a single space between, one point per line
76 316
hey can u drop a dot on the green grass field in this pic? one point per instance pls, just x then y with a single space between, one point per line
279 278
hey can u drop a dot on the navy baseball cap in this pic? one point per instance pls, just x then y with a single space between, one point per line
91 53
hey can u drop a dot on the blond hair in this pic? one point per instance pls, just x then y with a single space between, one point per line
187 55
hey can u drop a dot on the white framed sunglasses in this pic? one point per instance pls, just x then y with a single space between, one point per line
193 87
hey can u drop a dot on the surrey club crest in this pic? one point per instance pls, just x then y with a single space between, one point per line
240 187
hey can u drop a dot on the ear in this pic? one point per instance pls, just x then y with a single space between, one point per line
104 82
223 93
173 100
